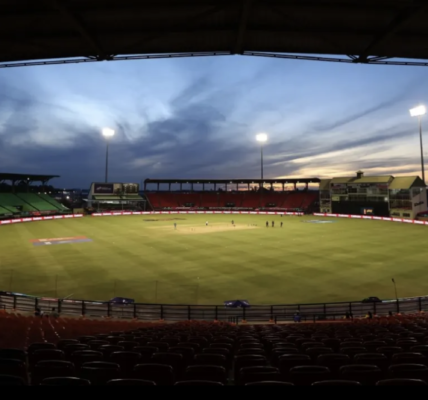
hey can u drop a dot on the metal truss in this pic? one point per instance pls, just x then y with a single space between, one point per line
375 60
350 60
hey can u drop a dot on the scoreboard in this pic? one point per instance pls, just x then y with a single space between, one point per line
114 189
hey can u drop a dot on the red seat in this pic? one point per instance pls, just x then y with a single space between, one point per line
380 360
9 380
252 351
62 344
227 346
14 354
78 358
402 382
176 361
130 382
389 351
128 345
45 354
14 368
206 373
96 344
146 352
65 381
408 371
337 383
353 351
71 348
286 362
315 352
99 373
198 383
270 383
127 360
210 359
39 346
51 369
86 339
248 361
161 346
162 375
409 358
308 374
278 352
109 349
187 352
365 374
258 374
333 361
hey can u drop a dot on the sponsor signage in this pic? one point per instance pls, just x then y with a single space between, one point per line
103 188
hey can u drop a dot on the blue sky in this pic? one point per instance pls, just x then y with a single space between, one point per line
198 117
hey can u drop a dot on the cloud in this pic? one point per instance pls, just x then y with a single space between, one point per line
204 129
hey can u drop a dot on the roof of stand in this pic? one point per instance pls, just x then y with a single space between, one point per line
26 177
37 32
229 181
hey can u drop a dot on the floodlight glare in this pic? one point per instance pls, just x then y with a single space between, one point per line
261 137
107 132
418 111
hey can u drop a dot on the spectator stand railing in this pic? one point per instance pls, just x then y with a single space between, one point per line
172 313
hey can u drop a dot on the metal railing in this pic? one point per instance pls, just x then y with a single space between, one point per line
174 313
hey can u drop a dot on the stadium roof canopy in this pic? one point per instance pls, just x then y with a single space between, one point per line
36 32
229 181
26 177
406 182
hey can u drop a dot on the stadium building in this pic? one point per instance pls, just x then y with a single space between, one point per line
383 196
115 196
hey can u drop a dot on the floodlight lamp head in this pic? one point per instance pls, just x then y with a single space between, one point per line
107 132
262 137
418 111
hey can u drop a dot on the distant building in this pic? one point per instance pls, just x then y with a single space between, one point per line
401 197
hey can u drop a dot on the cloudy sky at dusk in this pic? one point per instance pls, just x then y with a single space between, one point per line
197 118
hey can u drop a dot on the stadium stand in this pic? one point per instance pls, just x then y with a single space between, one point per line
15 203
53 202
40 203
11 203
5 212
238 194
184 199
209 200
61 352
289 201
19 198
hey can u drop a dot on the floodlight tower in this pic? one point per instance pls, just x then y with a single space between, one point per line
261 138
419 112
108 134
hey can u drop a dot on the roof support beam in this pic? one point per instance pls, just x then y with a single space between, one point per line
76 23
192 22
239 45
403 18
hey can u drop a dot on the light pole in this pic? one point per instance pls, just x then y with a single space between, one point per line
261 138
107 133
419 112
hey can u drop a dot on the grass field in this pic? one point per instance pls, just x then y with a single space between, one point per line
151 262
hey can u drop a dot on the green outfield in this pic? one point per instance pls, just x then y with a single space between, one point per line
144 258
